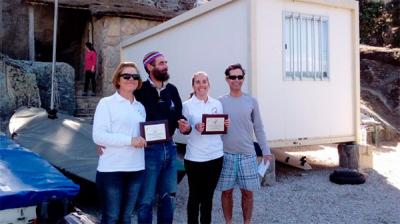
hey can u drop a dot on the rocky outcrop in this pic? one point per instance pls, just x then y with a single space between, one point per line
380 83
64 85
19 86
380 22
385 55
24 83
156 10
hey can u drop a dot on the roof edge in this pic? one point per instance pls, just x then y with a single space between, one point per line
186 16
137 11
347 4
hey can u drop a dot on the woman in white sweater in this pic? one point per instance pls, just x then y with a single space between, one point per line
204 153
121 163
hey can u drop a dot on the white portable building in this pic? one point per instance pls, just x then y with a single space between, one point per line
301 59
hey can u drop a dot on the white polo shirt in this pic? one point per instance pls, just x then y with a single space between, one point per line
201 148
116 121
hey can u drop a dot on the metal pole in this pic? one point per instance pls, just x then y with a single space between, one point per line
52 114
31 33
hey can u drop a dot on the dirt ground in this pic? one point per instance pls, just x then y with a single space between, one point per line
323 158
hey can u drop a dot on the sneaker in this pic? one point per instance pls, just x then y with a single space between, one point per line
84 94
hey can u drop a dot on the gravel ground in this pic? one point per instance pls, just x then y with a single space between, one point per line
309 197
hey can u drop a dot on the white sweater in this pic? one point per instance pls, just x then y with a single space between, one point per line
116 121
201 148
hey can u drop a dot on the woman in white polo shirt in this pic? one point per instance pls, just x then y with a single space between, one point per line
121 163
204 153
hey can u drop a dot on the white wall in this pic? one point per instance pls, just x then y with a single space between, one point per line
298 109
209 43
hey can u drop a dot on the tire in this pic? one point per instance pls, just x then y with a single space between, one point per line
347 177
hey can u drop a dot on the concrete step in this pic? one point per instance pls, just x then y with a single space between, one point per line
83 115
87 100
79 92
85 105
79 85
86 119
85 111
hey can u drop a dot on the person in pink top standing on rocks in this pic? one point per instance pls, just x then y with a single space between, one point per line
90 68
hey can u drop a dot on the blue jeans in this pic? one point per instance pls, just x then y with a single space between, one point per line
118 192
160 179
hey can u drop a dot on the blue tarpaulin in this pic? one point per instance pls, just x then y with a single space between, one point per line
26 179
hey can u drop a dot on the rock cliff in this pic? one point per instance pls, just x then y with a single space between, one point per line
380 85
25 83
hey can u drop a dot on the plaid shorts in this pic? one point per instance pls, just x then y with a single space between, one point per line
241 170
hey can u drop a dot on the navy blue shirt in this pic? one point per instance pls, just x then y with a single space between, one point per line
166 106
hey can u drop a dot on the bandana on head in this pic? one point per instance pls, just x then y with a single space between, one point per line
150 57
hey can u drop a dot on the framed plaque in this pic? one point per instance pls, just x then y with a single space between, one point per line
214 124
155 131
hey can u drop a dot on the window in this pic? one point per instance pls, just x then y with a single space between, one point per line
305 47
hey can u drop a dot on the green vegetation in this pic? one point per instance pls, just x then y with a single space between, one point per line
380 23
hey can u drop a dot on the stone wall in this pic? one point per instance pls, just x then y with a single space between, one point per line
14 29
14 25
108 34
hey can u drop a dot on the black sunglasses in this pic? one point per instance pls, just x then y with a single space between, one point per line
128 76
234 77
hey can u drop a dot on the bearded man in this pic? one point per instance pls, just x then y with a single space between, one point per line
162 102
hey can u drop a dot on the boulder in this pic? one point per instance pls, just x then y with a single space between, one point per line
26 83
17 87
64 79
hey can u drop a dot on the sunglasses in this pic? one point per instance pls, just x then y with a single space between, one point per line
234 77
128 76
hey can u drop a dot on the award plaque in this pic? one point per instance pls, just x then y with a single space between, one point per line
214 124
155 131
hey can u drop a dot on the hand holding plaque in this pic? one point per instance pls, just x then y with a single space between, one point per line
214 124
154 131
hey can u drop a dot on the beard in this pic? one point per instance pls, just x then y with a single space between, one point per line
160 75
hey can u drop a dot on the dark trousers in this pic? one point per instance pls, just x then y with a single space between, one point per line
203 178
90 77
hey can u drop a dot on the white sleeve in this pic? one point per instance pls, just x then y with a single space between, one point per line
102 128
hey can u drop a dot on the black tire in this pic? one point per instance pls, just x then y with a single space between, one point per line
347 177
